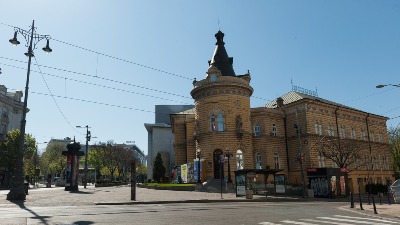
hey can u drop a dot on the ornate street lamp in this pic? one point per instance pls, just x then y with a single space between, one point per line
17 191
88 136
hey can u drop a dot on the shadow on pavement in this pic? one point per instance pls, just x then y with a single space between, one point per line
21 204
82 222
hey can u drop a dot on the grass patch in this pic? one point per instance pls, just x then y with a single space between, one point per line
170 185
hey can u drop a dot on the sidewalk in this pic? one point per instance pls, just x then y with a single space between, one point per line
121 195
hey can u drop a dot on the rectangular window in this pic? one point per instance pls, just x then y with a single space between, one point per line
353 133
273 133
257 130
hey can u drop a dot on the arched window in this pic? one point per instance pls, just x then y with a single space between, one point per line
277 161
258 161
257 130
239 160
217 123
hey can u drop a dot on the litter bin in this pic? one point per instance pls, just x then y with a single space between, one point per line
249 194
26 187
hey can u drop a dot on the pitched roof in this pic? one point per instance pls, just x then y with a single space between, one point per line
293 96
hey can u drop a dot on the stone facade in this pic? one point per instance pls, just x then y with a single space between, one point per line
286 133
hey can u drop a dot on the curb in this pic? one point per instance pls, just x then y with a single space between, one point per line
200 201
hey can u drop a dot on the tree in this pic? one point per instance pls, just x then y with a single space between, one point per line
346 153
52 159
9 150
394 142
158 169
105 155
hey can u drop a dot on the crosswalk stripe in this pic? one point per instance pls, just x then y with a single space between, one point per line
344 220
300 223
370 219
328 222
268 223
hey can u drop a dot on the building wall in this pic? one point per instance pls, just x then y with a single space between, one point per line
10 111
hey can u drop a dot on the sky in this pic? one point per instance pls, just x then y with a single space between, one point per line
113 61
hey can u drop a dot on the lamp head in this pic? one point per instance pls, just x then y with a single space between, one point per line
47 49
380 86
14 40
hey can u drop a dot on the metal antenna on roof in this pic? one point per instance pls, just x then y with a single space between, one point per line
219 26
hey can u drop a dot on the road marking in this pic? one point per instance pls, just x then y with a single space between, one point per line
300 223
268 223
328 222
370 219
356 220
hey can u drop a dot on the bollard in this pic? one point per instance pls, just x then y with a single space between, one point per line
380 198
373 203
351 200
388 194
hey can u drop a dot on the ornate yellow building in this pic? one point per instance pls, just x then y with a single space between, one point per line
288 133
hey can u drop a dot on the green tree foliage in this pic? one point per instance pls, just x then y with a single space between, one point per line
52 159
158 169
9 150
394 142
105 155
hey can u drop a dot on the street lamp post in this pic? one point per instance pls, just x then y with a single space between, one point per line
88 136
17 191
300 155
228 155
198 156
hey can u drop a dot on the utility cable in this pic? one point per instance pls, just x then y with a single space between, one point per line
103 78
98 85
52 96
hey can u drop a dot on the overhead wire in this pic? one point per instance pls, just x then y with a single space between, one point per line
54 100
98 85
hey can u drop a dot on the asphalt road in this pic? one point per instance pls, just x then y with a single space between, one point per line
233 213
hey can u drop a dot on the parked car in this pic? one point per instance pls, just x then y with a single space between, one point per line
395 190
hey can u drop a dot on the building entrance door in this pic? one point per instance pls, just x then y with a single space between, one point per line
218 170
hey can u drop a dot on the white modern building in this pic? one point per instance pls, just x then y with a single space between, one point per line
160 137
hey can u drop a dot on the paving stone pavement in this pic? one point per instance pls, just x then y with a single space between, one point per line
56 196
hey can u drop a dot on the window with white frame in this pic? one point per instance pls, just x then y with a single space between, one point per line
366 162
318 127
273 133
375 165
239 160
357 162
217 122
258 161
321 160
372 135
331 130
353 133
277 160
363 135
257 130
342 132
334 164
380 137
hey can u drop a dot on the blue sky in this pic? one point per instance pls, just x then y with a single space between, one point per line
146 53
